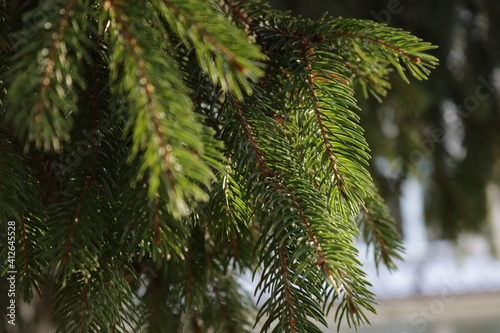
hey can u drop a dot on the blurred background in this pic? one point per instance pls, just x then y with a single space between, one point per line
436 158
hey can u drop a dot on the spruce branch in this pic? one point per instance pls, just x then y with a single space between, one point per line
377 229
297 228
55 44
164 128
285 287
343 148
74 220
238 12
227 58
339 181
44 92
101 302
197 140
20 198
229 213
372 77
149 230
378 43
148 89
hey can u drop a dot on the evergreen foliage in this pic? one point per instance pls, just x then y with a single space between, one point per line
447 137
153 151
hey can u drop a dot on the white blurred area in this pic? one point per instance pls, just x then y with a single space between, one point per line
441 286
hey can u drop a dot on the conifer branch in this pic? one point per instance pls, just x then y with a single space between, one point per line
156 221
49 67
339 181
177 10
148 88
239 13
74 220
322 260
26 254
385 45
378 237
145 203
83 312
373 79
228 210
283 253
95 97
289 299
377 228
44 91
380 43
227 58
248 130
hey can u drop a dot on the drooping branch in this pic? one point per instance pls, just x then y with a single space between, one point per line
251 137
207 36
84 305
288 293
289 299
148 88
311 77
49 67
74 220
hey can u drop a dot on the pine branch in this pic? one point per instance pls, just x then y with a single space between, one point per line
377 43
228 215
298 227
45 97
160 113
237 12
230 305
183 162
222 51
148 227
281 291
101 302
373 77
377 228
20 198
330 97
